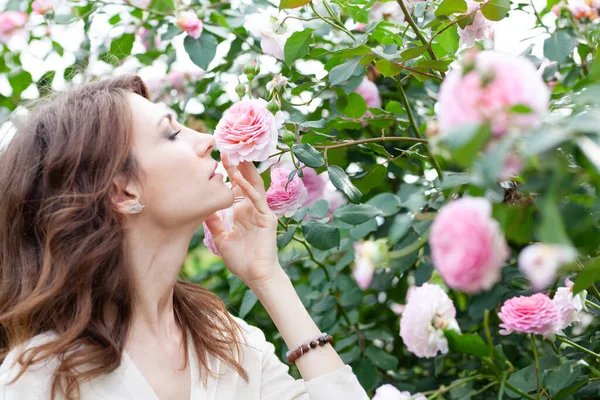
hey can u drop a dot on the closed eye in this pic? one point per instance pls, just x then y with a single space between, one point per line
173 135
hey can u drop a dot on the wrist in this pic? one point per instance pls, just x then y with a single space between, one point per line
271 284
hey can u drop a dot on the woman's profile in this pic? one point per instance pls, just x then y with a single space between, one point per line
102 191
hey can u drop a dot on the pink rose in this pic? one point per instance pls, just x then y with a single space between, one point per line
189 22
479 29
281 201
10 23
467 246
529 314
486 93
248 131
42 6
156 42
368 91
226 216
428 312
389 392
315 185
540 262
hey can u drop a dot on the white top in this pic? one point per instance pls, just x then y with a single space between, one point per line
268 378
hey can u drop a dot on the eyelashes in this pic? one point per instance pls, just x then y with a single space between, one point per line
173 135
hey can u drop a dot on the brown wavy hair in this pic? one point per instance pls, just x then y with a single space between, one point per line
61 240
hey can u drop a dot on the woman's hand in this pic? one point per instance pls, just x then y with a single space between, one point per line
249 249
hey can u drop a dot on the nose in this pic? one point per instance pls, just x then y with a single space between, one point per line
206 144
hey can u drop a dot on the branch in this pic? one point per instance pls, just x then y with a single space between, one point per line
379 139
412 23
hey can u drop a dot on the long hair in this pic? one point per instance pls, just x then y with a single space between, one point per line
61 240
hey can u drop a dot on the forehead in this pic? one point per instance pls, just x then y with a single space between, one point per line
145 112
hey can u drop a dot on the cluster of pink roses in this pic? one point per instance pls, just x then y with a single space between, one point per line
538 314
579 9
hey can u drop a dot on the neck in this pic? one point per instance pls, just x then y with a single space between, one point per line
154 256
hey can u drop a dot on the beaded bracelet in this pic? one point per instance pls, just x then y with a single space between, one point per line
319 340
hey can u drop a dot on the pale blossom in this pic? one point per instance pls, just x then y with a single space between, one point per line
43 6
248 131
11 22
428 312
140 3
467 245
493 85
368 255
582 9
539 262
189 22
389 392
285 198
390 11
278 82
267 25
226 216
480 28
529 314
570 307
177 78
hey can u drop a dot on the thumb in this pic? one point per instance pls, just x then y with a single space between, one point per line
215 225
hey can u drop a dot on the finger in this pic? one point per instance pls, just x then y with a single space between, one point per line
251 174
231 169
215 225
259 201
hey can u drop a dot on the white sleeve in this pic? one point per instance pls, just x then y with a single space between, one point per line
34 384
278 384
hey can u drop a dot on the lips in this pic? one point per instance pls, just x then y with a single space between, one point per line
214 169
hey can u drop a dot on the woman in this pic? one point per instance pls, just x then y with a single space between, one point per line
101 193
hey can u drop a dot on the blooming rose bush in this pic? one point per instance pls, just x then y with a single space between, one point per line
437 198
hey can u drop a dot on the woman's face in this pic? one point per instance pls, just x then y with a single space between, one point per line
179 184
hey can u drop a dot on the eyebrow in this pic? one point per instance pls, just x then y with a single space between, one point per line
167 115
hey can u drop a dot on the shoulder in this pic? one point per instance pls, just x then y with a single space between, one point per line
36 378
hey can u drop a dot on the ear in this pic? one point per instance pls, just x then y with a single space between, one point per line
125 194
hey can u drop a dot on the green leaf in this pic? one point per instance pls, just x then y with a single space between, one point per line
388 68
588 276
552 227
321 236
366 373
467 343
495 10
293 3
558 46
343 72
448 7
297 45
308 155
286 238
449 40
413 52
202 50
341 181
355 107
319 209
44 84
248 303
595 67
381 358
19 82
162 5
373 178
388 203
355 214
465 142
121 47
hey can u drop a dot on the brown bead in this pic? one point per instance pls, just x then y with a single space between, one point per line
322 341
314 344
305 348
